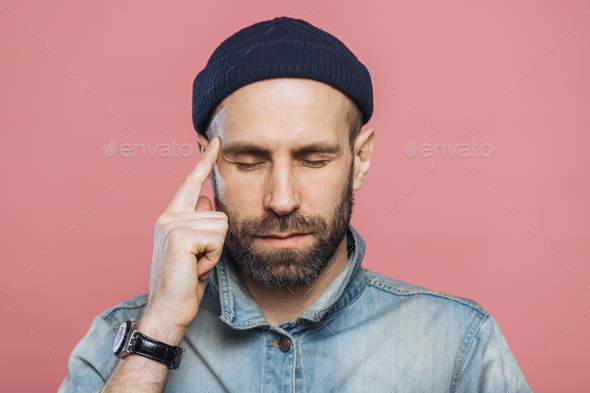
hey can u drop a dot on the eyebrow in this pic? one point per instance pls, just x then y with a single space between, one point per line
251 149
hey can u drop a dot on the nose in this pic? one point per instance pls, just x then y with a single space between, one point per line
282 194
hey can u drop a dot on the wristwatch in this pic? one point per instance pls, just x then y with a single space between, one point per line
129 341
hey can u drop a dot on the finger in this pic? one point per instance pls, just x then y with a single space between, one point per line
204 204
209 244
208 224
186 216
188 194
173 216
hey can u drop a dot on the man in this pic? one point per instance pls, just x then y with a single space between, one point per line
267 292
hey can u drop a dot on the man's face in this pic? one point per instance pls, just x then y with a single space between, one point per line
285 167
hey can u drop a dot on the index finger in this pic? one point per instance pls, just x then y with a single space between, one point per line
188 194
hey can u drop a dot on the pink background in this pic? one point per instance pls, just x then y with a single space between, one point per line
462 229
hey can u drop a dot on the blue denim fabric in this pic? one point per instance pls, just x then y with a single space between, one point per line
365 333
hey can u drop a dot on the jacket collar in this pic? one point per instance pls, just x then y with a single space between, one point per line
240 311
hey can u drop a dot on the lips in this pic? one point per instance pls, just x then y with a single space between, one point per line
285 236
289 240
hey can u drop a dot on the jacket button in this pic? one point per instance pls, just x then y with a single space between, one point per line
284 343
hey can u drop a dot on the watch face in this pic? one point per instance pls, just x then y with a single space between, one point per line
120 337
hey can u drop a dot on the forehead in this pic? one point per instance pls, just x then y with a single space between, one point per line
289 110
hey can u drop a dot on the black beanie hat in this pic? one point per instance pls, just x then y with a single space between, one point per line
279 48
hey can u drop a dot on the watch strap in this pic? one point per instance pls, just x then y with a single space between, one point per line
143 345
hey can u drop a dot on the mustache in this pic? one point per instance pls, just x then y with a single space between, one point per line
271 222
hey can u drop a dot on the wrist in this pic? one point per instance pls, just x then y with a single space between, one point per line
160 331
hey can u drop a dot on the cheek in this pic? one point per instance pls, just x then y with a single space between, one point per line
237 190
323 192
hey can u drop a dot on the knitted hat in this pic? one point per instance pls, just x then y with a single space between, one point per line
279 48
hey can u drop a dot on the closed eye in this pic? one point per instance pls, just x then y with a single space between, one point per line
252 166
246 166
315 163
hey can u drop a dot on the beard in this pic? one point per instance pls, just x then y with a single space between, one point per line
287 267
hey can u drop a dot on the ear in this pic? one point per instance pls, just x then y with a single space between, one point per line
202 142
363 146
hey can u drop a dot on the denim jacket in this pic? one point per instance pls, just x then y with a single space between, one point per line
365 333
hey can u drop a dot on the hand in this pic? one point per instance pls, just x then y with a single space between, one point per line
188 242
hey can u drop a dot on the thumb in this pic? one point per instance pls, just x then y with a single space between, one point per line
203 204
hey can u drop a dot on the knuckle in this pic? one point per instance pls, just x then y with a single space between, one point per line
193 182
188 183
220 214
220 239
161 221
177 236
224 228
166 228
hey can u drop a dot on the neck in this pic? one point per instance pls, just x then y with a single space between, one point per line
287 304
